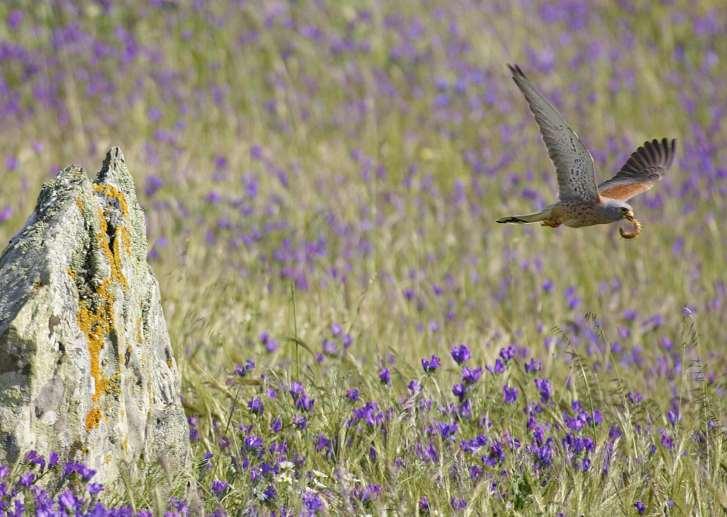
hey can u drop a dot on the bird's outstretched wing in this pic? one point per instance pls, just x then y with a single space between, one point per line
573 162
641 171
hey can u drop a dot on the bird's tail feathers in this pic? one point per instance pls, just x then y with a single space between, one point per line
530 218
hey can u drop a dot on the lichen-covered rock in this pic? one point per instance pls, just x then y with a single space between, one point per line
86 366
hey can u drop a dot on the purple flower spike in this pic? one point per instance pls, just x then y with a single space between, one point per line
543 386
255 405
94 488
509 394
430 365
26 479
219 487
385 376
447 430
312 501
498 367
67 500
460 353
533 366
459 391
424 504
414 386
14 19
471 375
458 503
323 443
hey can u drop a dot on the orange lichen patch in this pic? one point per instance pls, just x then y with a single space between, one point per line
96 313
96 322
125 241
112 192
112 255
93 417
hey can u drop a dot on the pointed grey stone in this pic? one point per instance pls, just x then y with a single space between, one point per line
86 366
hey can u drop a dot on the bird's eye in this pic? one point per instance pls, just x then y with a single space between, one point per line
624 210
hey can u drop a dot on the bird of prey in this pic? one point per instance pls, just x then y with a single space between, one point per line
581 201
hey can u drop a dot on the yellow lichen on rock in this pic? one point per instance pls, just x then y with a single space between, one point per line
112 255
112 192
96 321
93 417
96 315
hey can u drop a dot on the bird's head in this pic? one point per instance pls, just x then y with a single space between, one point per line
620 209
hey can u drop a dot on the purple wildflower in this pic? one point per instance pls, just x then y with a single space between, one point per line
447 430
544 388
255 405
634 397
352 394
300 422
414 386
458 503
471 375
673 416
424 504
495 456
459 391
26 479
347 341
507 353
33 458
14 19
533 366
243 369
460 353
270 344
219 487
270 494
385 376
498 367
94 489
430 365
312 501
68 502
509 394
323 444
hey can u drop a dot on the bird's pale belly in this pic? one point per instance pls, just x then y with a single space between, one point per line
574 215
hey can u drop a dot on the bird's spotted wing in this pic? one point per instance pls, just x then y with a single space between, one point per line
573 162
641 171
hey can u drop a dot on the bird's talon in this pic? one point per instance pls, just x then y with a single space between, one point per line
636 230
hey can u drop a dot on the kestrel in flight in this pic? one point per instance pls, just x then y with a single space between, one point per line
581 202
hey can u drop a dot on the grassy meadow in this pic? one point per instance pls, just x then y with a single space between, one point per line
356 335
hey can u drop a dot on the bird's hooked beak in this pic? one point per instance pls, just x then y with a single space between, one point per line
629 216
